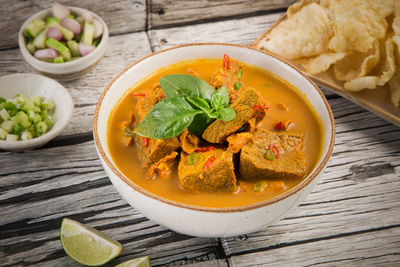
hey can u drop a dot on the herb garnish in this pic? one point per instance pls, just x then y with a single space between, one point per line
191 103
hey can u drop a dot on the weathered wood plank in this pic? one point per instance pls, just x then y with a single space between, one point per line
163 13
222 32
122 51
120 16
70 182
375 248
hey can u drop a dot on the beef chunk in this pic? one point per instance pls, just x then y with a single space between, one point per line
237 141
291 161
227 76
210 171
217 131
153 149
162 168
189 142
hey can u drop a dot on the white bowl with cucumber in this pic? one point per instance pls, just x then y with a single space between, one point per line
33 110
63 42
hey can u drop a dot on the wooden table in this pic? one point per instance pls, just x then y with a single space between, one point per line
352 217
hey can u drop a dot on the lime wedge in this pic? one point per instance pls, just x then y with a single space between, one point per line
139 262
86 245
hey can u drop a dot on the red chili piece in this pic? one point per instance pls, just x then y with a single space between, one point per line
260 108
274 150
139 94
227 62
146 141
209 162
279 125
206 148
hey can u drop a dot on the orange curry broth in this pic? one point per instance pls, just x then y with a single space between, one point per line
273 89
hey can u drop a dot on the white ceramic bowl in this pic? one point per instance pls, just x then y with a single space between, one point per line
198 221
37 85
66 70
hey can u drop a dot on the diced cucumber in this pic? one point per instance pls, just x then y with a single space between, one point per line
71 16
31 47
4 114
34 28
37 109
17 129
74 48
50 19
49 121
66 34
39 41
62 49
87 34
43 114
26 135
3 134
37 100
58 60
49 104
7 126
41 128
28 105
22 119
12 137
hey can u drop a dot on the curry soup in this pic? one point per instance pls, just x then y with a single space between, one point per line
286 107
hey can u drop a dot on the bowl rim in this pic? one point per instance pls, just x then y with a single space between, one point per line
24 50
35 142
253 206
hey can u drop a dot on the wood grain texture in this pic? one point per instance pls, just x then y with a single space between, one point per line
167 13
120 16
70 182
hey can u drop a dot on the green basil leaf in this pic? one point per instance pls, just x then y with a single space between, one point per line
226 114
201 104
199 124
167 119
220 98
184 85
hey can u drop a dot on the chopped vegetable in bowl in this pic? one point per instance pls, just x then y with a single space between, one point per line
64 36
23 118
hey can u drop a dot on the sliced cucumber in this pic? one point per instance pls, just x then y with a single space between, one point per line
34 28
31 47
74 48
87 34
62 49
39 41
58 60
50 19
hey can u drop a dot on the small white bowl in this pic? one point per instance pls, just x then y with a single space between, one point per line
67 70
201 221
37 85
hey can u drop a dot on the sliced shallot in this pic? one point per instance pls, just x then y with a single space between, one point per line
46 53
60 11
71 25
85 49
54 32
98 29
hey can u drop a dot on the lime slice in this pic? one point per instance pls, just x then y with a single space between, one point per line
86 245
139 262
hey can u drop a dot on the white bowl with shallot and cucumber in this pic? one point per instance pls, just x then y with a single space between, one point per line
63 42
33 110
